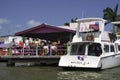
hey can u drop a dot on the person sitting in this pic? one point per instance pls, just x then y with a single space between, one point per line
54 48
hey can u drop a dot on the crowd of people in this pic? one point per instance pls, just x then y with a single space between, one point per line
38 47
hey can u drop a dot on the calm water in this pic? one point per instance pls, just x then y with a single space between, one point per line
55 73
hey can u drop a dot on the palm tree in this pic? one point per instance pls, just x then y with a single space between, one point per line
66 24
111 15
73 20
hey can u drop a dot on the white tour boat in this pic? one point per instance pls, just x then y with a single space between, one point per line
92 46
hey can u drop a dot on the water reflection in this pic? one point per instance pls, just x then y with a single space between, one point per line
109 74
56 73
78 75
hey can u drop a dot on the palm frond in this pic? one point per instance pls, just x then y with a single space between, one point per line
116 8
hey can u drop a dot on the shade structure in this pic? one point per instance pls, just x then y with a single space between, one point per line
48 32
4 45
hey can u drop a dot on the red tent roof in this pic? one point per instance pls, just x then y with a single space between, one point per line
46 32
43 28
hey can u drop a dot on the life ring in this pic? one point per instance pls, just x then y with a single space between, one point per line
89 37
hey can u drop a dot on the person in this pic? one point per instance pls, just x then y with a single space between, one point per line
40 49
90 37
37 41
54 48
21 46
14 47
46 49
27 42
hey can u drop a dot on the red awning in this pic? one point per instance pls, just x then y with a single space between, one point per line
47 32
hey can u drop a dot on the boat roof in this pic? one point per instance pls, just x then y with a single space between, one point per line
90 19
116 22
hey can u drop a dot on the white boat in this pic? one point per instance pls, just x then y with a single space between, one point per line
92 46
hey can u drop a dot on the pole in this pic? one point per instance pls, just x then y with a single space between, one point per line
70 37
36 49
10 49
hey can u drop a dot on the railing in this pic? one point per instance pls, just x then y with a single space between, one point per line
34 51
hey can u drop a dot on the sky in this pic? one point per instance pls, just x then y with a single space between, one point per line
18 15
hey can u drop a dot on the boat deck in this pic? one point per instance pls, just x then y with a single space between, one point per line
11 60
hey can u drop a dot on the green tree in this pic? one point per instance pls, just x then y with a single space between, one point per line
111 15
73 20
66 24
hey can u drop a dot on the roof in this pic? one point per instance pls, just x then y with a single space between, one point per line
45 31
4 46
90 19
43 28
116 22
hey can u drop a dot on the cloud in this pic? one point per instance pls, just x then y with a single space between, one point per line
33 23
3 21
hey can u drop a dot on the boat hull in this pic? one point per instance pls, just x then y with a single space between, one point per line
110 61
78 61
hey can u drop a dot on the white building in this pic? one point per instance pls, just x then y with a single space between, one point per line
72 26
9 39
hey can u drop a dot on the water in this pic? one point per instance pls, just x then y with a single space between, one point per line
55 73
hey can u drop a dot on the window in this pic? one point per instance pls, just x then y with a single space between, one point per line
74 49
81 49
78 49
106 48
112 48
94 50
119 47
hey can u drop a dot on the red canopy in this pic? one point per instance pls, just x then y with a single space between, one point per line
47 32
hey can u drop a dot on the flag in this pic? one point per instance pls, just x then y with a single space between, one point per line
94 27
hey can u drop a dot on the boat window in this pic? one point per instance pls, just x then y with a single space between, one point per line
74 49
94 50
112 48
78 49
90 37
106 48
119 47
81 50
116 47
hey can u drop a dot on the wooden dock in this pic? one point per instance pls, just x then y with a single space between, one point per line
11 60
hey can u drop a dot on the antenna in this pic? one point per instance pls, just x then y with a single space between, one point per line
83 13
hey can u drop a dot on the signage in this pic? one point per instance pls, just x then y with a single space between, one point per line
80 58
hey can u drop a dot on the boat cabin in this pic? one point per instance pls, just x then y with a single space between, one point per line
91 38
